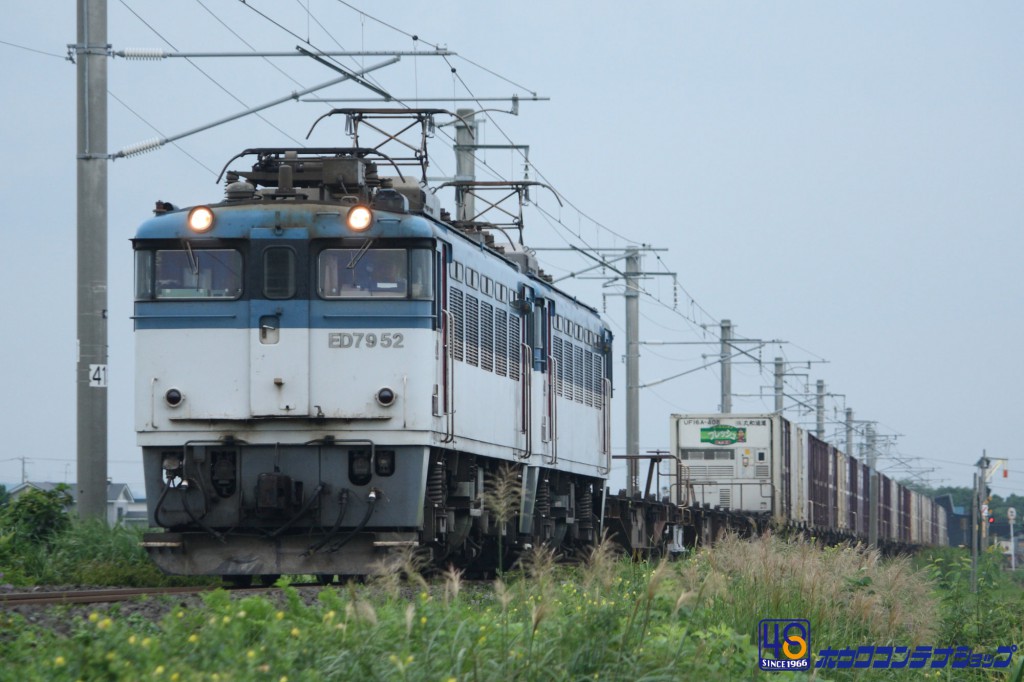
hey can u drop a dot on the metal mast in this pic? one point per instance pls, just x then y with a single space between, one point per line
91 370
820 410
849 431
779 378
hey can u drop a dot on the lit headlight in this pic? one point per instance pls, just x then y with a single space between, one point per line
200 219
359 218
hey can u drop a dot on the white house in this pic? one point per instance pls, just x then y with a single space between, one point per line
122 507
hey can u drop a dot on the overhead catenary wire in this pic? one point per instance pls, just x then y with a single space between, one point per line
32 49
204 73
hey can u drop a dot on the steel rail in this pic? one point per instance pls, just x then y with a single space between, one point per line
90 596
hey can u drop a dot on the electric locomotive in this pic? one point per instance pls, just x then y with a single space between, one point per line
329 367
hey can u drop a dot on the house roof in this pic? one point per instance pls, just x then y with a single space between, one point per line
115 491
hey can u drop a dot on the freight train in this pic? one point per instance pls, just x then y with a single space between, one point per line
329 367
755 471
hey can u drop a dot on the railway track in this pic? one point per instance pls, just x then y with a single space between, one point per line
116 594
108 595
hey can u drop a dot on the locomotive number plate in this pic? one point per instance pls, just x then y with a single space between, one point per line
365 340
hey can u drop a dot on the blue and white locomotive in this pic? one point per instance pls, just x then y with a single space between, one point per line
328 367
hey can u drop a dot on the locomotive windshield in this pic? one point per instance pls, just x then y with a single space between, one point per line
387 273
188 273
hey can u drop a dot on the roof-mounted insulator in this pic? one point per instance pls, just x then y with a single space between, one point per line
143 53
285 184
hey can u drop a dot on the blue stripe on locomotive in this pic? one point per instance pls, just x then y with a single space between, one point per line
315 314
247 222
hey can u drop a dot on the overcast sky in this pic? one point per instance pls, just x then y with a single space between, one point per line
846 177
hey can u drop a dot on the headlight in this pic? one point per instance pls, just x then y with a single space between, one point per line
359 218
200 219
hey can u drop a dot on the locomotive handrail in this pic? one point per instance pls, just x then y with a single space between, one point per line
152 403
606 424
552 409
526 374
449 378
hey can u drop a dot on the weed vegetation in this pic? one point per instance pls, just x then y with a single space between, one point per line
40 544
607 618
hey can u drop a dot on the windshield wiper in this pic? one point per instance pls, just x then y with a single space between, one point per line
192 260
359 254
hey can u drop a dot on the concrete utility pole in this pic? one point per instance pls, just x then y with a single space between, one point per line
726 357
632 294
1011 516
979 494
465 160
872 457
91 369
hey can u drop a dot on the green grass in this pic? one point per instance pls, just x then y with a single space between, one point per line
609 619
84 553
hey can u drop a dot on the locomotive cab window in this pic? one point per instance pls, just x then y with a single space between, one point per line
377 273
188 274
